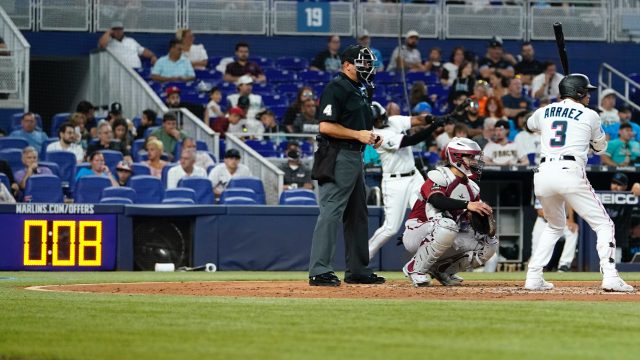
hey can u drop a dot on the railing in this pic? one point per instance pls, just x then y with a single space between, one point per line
14 64
197 129
21 12
583 20
624 87
64 15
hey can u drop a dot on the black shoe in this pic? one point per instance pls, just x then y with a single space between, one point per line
326 279
564 268
364 279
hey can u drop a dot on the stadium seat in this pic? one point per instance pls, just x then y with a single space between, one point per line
387 77
274 100
180 192
300 200
150 130
165 173
279 112
140 169
112 158
5 180
594 159
43 189
279 76
116 200
16 121
56 121
250 182
264 62
89 189
438 90
148 189
119 192
291 63
178 201
239 200
55 169
238 192
200 146
311 76
136 146
43 149
67 162
210 167
296 193
289 90
202 187
14 158
13 143
265 148
427 78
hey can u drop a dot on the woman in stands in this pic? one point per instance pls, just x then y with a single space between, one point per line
97 168
450 69
292 112
154 151
121 132
195 53
79 121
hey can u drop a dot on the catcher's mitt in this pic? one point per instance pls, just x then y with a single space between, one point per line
483 224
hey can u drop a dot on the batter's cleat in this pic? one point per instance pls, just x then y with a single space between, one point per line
616 284
538 284
447 279
326 279
564 268
417 278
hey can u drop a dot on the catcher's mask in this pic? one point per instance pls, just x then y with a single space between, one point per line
363 59
465 155
380 118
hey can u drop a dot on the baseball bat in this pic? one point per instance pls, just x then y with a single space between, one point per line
562 49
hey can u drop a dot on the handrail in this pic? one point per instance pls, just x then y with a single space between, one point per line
21 52
23 42
606 82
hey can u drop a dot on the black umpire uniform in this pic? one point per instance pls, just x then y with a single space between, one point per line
338 167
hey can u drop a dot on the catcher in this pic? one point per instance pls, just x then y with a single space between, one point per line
450 229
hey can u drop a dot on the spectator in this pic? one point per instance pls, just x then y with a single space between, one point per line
124 172
514 102
307 122
268 120
487 132
608 112
173 66
421 108
203 160
196 54
546 84
98 168
121 133
242 67
624 113
450 69
623 151
496 60
407 56
244 125
79 123
528 142
470 116
126 49
493 109
499 85
29 132
418 93
89 111
465 82
187 168
621 215
115 112
443 139
392 109
328 60
106 142
527 65
5 195
251 103
154 162
304 93
169 134
296 174
213 109
502 152
6 169
67 135
173 100
222 173
480 95
434 63
147 120
30 162
365 40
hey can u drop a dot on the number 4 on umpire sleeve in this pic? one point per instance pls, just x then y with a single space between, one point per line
561 133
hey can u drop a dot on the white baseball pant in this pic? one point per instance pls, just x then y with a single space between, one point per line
570 242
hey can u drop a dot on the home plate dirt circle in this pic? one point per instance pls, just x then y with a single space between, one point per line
395 290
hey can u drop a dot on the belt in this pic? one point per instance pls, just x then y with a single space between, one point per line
347 146
410 173
563 157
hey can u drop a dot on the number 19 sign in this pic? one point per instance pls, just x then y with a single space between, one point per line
314 17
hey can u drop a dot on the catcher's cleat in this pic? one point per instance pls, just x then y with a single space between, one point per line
417 278
446 279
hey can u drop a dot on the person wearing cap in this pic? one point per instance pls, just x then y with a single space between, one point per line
222 173
169 133
346 123
546 84
186 168
126 49
245 88
365 40
174 66
570 234
408 55
621 214
243 66
296 174
244 127
496 60
124 172
502 152
624 114
329 59
608 112
623 151
173 99
67 142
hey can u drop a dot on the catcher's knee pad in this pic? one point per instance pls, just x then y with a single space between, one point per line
444 234
484 252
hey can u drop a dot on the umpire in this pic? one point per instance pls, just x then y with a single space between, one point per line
346 122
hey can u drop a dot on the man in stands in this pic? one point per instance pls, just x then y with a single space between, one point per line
173 66
527 65
306 121
30 162
222 173
502 152
29 132
106 142
546 84
126 49
496 61
608 112
514 102
407 56
169 134
203 159
244 98
67 142
187 168
296 174
242 66
329 59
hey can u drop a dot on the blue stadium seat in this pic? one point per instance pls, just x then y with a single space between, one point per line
306 147
274 100
116 200
136 146
89 189
265 148
427 78
202 187
178 201
279 112
140 169
13 143
119 192
43 189
387 77
180 192
55 169
5 180
238 192
148 189
16 120
43 149
251 182
67 162
14 158
296 193
280 76
149 131
438 90
291 63
112 158
300 200
165 173
264 62
594 159
311 76
289 90
263 88
56 121
239 200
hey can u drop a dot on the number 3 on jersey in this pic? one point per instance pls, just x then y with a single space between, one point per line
561 133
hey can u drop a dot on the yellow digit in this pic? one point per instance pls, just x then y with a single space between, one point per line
42 224
55 261
85 243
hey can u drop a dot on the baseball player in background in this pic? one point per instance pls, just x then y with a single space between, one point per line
401 180
570 233
438 230
568 129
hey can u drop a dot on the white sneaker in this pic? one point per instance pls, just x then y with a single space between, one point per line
417 278
616 284
447 279
538 284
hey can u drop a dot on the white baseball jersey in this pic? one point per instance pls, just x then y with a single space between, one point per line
566 128
528 143
394 158
503 154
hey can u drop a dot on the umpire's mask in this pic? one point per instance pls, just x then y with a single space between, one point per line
363 59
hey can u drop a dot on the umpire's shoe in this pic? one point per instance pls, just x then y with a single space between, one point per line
326 279
364 279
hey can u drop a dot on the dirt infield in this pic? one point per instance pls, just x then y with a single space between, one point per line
400 290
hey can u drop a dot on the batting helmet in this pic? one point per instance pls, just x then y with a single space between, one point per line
575 86
380 119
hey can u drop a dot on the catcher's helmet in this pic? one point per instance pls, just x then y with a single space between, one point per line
457 149
363 59
575 86
380 119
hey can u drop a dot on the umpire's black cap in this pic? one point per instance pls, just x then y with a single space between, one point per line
350 53
620 179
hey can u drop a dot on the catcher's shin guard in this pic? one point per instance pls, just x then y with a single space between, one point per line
444 234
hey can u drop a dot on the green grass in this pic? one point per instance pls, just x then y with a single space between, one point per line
47 325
